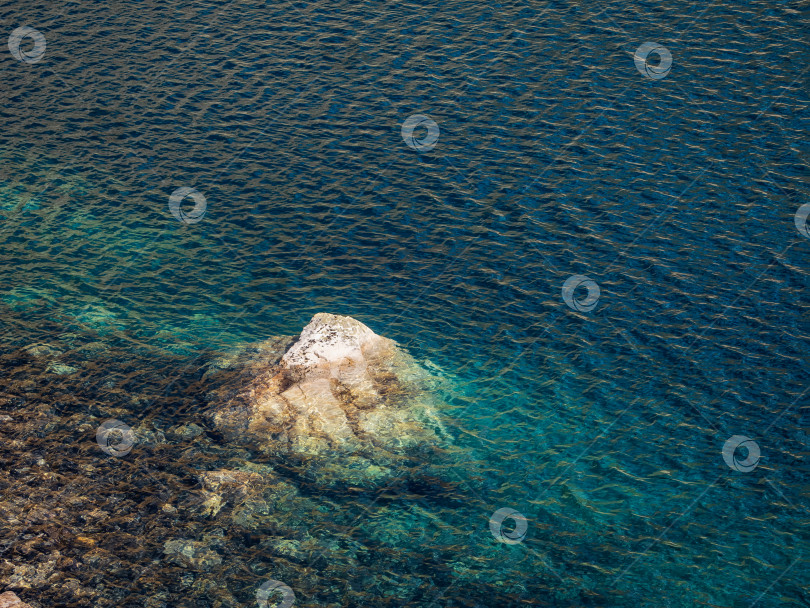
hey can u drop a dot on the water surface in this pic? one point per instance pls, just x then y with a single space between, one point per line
556 157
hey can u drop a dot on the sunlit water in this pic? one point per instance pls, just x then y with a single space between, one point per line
556 157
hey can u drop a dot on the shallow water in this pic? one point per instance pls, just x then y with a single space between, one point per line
556 157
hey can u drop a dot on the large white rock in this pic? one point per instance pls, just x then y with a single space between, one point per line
340 393
330 342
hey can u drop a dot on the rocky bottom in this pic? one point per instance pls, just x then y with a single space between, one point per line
187 515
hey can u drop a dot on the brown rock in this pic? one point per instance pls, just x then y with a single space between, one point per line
41 350
86 541
191 554
253 498
223 486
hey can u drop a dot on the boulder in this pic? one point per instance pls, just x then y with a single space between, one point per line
196 555
350 402
252 499
9 599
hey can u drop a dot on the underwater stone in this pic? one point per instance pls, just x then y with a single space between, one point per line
351 402
62 370
191 554
251 499
41 350
28 576
223 486
189 431
9 599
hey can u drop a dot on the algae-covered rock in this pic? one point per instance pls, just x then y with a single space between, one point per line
251 499
223 486
191 554
349 402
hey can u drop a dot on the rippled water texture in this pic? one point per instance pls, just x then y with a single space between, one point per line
556 157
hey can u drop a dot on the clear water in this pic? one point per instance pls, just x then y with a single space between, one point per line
556 157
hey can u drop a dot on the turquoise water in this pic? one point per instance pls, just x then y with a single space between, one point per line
556 157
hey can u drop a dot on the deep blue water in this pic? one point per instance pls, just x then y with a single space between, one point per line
556 157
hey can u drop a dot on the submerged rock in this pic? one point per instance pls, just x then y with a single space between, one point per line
62 370
223 485
252 499
191 554
9 599
28 576
349 401
40 350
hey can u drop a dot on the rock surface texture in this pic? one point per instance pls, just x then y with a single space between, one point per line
346 399
9 599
